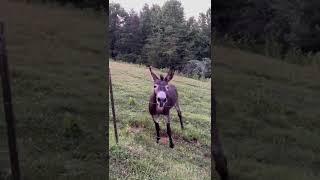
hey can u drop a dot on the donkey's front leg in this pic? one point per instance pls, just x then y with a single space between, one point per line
169 131
156 123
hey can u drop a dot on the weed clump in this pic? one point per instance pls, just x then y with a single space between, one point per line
71 127
132 102
5 174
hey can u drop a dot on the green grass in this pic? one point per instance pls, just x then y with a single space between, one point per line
57 64
138 156
268 115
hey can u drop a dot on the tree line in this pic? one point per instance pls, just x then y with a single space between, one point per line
93 4
160 36
278 28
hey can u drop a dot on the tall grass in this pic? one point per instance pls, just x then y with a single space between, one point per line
268 116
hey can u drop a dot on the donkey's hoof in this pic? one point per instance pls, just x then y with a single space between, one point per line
158 138
171 145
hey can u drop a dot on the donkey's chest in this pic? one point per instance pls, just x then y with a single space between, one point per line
163 110
159 110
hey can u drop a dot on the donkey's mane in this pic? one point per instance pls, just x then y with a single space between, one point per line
161 77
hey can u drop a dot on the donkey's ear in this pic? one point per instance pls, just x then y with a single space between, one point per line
153 75
169 75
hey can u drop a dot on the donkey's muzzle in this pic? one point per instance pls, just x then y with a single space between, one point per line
162 102
161 99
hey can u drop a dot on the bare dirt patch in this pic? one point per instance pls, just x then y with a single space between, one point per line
177 138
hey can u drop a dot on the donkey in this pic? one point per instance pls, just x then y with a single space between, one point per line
163 98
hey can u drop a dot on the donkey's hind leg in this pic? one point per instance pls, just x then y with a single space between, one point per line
156 123
179 114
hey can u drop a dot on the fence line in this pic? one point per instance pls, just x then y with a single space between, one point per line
146 103
112 106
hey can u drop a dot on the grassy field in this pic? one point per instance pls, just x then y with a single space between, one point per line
268 114
138 156
56 57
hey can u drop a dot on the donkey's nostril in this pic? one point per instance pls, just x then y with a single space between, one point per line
158 99
165 99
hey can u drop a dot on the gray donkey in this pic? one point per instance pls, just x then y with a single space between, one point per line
163 98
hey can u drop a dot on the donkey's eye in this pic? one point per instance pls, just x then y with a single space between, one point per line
167 88
155 86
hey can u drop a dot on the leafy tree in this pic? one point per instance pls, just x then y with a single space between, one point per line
129 42
169 32
145 23
116 20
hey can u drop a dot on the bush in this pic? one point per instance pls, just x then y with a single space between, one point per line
208 67
316 59
198 69
131 58
71 127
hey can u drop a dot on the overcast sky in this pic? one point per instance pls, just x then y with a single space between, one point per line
191 7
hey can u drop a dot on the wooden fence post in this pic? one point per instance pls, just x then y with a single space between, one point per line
4 73
216 145
113 109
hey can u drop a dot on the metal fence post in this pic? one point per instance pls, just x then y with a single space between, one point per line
4 73
113 109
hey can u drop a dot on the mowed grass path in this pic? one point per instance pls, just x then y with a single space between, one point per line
268 114
58 71
138 156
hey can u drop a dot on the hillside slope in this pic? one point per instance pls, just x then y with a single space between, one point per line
138 156
268 114
57 64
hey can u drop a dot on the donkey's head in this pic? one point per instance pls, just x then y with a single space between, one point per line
161 87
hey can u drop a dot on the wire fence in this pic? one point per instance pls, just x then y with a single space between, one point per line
134 107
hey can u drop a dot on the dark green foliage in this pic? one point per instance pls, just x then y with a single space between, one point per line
93 4
273 28
159 36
